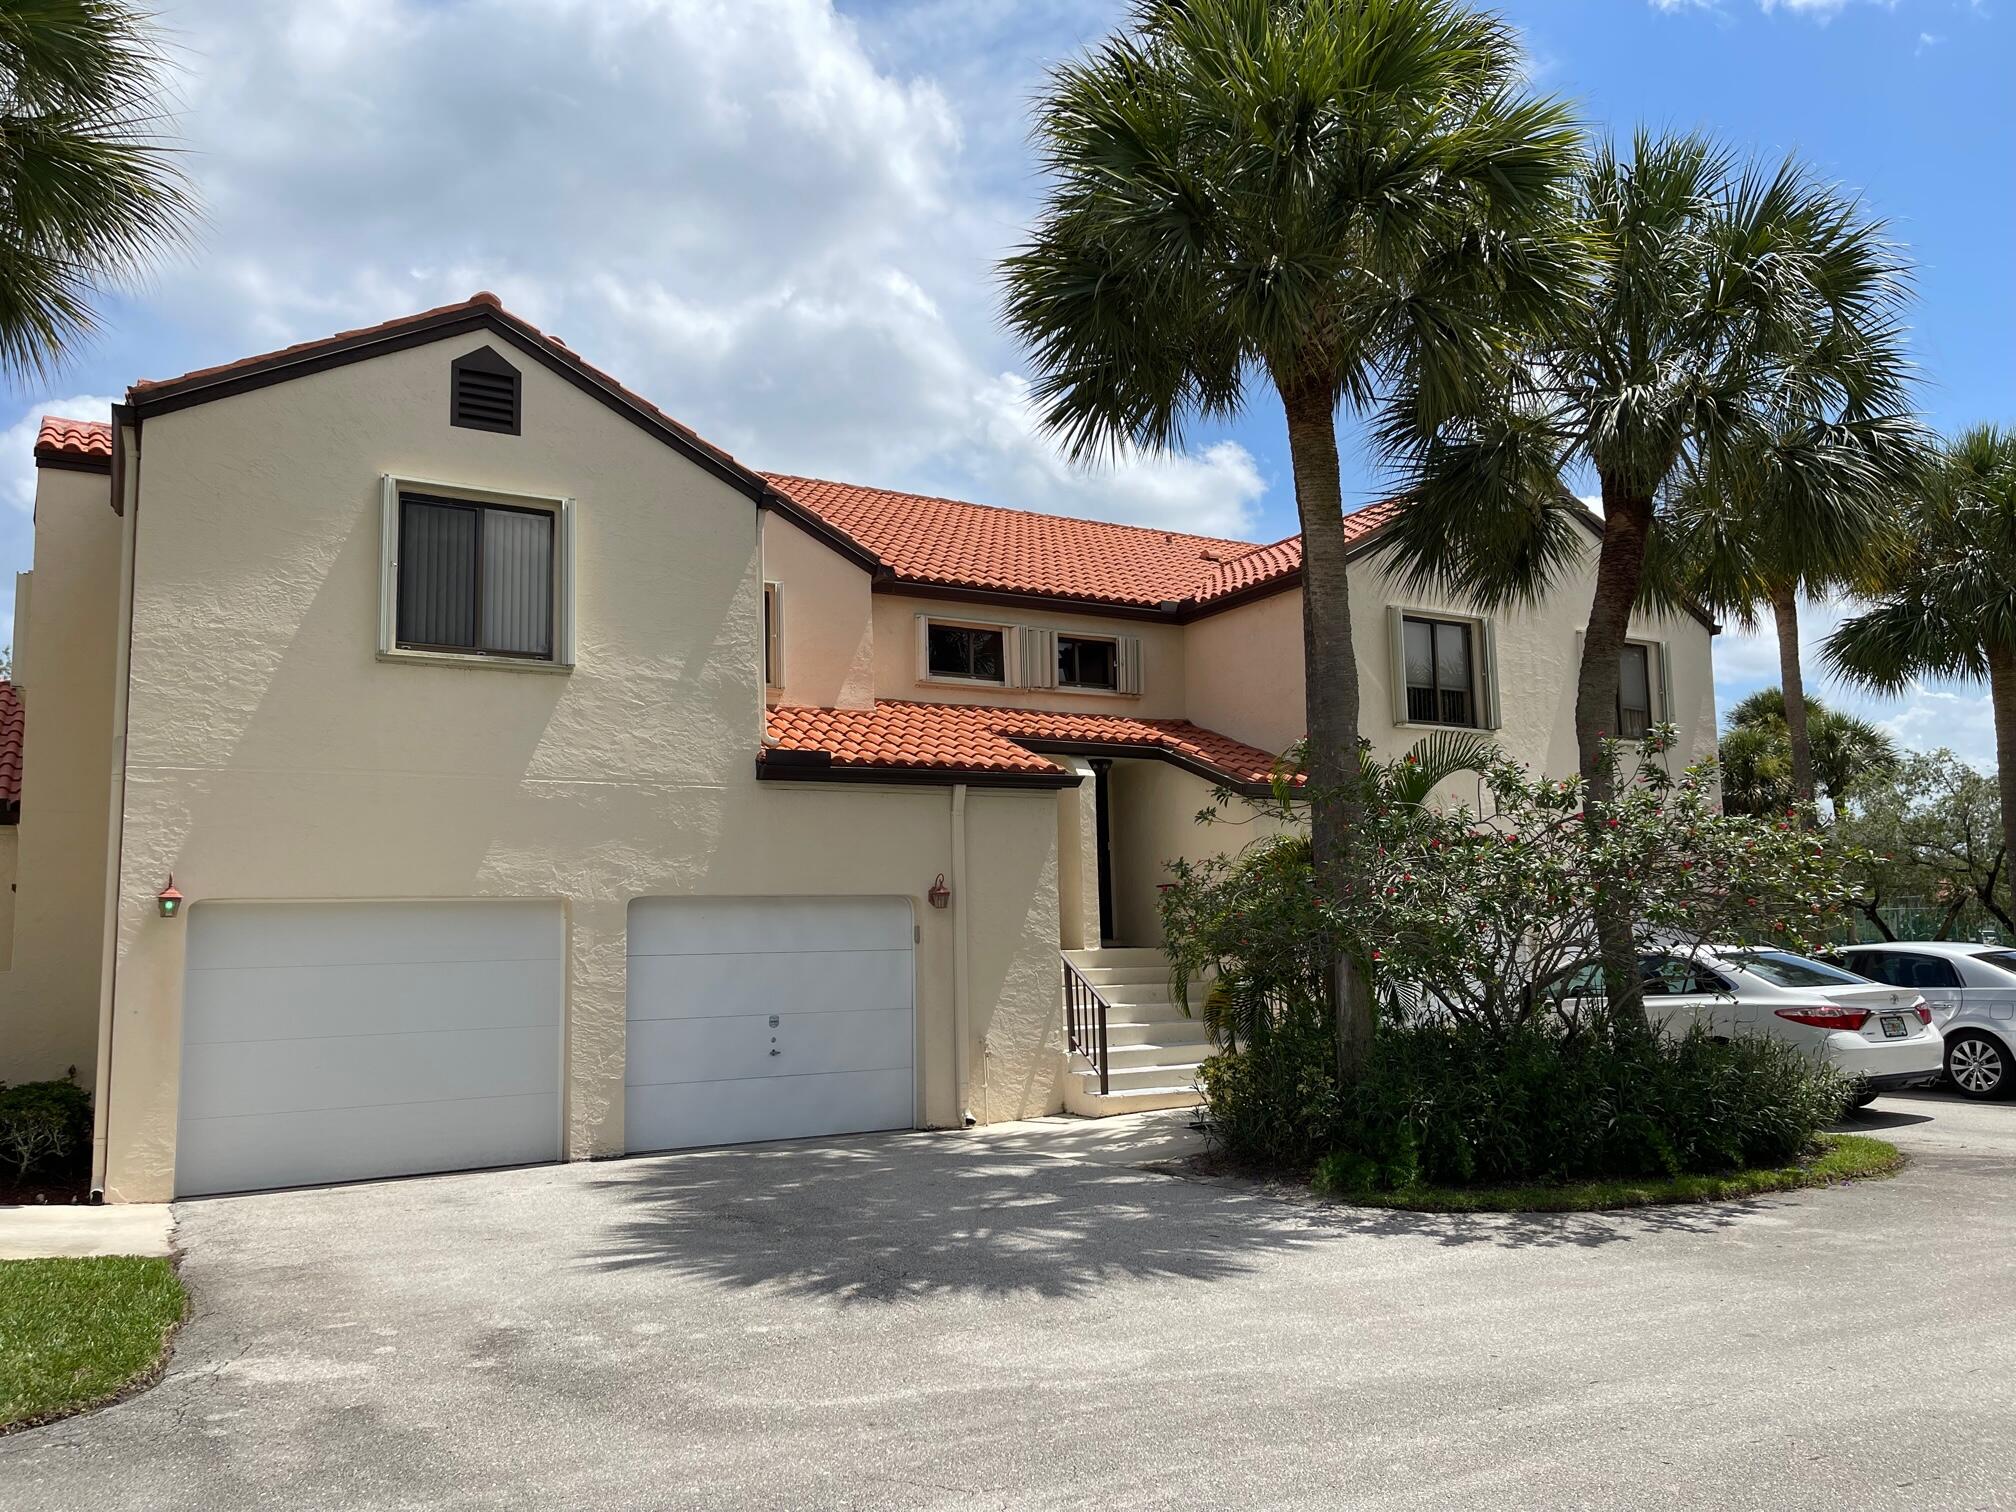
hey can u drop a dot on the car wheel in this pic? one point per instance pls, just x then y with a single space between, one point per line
1861 1100
1978 1066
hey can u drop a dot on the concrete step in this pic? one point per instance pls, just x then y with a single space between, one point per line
1119 955
1160 1075
1146 1054
1138 1031
1113 976
1154 995
1086 1102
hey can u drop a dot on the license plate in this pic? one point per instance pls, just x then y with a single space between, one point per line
1893 1026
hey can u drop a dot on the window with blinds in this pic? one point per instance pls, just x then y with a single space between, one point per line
475 578
1441 676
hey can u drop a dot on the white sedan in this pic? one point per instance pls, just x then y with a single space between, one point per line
1972 990
1882 1037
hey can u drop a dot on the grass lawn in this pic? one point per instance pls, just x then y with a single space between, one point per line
74 1332
1841 1157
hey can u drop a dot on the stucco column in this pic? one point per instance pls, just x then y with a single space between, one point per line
1078 858
596 987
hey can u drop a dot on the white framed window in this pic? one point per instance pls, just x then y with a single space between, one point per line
773 635
1081 661
966 651
475 576
1443 669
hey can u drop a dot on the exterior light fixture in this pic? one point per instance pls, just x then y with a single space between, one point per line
168 900
939 894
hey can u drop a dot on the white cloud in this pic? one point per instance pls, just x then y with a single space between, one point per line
772 222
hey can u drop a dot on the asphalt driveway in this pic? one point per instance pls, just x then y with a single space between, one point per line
1027 1318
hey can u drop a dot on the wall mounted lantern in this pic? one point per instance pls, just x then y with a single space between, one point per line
168 900
939 894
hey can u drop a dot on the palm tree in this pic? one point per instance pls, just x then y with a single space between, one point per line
1947 607
1738 313
1328 196
1734 556
1756 754
88 192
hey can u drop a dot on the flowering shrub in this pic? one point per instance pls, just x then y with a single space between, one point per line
1471 918
1474 913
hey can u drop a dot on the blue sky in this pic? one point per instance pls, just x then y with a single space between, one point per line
779 218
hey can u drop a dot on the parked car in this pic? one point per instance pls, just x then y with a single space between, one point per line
1972 990
1881 1036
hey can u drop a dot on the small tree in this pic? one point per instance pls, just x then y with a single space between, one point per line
1759 773
1928 833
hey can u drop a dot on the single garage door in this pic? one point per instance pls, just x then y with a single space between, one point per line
768 1018
340 1041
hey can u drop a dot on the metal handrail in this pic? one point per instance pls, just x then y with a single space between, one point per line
1085 1021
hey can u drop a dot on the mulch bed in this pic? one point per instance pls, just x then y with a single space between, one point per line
74 1190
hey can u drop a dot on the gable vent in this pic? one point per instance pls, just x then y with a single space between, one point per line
484 393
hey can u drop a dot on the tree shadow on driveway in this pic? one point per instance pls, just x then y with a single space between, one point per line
897 1218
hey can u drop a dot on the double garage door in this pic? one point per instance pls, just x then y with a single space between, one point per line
339 1042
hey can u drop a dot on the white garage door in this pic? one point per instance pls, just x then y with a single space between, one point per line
339 1041
768 1018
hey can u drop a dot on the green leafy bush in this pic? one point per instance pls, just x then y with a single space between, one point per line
1456 1105
45 1127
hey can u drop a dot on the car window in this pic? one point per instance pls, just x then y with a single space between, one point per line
1922 971
1783 969
1877 965
1670 976
2001 960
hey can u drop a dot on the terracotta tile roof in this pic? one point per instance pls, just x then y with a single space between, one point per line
950 543
12 727
897 735
73 438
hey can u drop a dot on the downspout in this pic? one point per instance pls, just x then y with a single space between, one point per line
962 998
126 502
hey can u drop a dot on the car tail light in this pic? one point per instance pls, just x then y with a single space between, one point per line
1924 1011
1827 1016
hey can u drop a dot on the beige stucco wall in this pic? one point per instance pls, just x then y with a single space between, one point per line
829 632
10 851
1153 822
1244 669
64 648
272 755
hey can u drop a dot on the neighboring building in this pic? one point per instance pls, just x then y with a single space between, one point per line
543 783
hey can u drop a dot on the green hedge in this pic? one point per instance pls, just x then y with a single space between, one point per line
1450 1106
45 1129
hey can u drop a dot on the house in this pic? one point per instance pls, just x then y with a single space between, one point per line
544 783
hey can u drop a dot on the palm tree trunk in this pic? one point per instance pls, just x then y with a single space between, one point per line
2002 696
1330 670
1792 683
1620 567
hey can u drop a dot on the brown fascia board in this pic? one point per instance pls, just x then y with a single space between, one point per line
70 462
1125 751
379 341
770 770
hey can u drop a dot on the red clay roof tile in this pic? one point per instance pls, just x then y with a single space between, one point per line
950 543
13 728
898 735
73 438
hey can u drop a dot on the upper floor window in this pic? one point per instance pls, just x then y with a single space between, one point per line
1088 662
970 653
484 576
1634 692
1441 675
773 635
